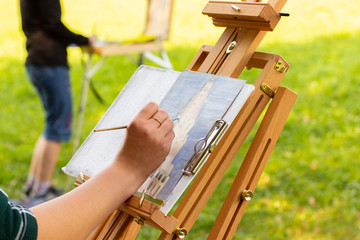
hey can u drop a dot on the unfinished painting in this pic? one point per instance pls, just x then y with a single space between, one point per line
196 100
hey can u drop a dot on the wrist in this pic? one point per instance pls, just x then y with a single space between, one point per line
131 163
129 175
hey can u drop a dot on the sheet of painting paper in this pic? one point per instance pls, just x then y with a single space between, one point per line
196 99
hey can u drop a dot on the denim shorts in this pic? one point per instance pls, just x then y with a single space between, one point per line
52 84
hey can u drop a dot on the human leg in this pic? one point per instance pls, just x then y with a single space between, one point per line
53 87
45 155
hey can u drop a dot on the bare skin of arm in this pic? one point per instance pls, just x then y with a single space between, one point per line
75 214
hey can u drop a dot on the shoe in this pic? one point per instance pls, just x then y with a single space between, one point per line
34 199
27 191
51 193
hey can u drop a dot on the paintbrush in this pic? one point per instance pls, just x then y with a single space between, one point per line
119 127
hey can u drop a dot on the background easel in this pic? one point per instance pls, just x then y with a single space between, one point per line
156 31
149 46
246 24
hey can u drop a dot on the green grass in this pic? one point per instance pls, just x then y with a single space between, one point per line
310 188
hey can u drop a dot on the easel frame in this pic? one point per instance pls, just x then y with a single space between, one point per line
229 59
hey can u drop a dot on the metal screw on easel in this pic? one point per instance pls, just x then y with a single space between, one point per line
246 195
142 198
181 233
280 67
139 220
236 8
231 47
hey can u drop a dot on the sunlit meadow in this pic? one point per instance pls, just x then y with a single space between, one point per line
310 188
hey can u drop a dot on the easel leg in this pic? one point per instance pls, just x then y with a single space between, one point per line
162 61
119 225
130 232
83 97
124 228
253 164
141 59
89 72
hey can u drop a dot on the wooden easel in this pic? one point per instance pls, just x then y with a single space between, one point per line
156 31
246 24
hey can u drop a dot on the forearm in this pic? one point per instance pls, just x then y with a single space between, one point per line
50 13
64 35
75 214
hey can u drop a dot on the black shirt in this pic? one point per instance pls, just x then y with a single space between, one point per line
47 37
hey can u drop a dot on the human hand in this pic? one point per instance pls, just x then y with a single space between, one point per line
92 40
147 142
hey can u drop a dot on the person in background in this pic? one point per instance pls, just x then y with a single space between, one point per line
75 214
47 39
